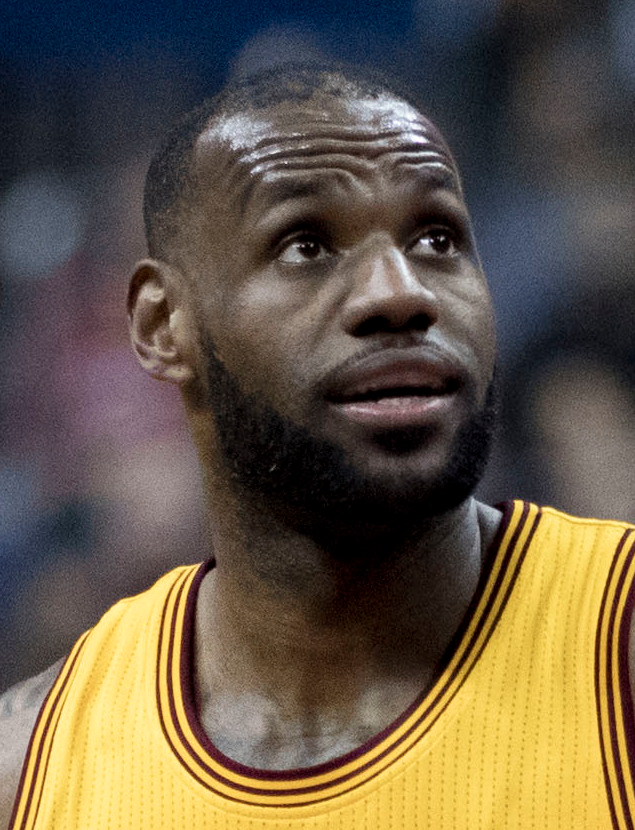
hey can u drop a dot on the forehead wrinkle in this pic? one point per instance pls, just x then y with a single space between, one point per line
355 154
322 172
259 147
353 141
270 176
361 158
319 138
274 187
438 172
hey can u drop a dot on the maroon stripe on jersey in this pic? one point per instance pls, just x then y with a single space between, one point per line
628 712
39 761
487 611
488 564
604 684
178 587
291 775
616 629
288 776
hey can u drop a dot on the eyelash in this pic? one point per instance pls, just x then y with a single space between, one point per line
299 238
440 230
320 237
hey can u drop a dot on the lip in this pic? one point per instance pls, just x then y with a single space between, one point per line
389 390
396 413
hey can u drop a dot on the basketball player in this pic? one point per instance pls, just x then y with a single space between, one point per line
368 646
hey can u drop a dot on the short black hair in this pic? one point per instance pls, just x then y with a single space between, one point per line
168 179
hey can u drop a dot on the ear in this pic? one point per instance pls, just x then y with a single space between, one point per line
161 329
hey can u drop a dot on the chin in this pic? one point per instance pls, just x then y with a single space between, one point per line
371 503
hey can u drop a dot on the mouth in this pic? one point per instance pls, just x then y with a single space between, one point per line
390 393
402 393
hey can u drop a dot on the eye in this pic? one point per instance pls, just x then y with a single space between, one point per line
436 242
302 249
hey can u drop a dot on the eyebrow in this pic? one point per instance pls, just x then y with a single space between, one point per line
438 175
284 189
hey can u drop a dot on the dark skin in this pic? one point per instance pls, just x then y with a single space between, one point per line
328 249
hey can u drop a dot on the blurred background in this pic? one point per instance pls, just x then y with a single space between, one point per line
99 489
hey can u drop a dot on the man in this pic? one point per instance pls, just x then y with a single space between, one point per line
369 646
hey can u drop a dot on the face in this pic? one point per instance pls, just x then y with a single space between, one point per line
340 294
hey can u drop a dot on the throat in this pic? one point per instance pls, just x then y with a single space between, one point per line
303 663
250 730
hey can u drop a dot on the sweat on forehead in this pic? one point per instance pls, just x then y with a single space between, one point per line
323 115
169 182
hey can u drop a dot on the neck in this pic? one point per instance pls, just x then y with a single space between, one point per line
302 655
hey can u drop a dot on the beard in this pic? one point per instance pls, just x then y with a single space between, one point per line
309 484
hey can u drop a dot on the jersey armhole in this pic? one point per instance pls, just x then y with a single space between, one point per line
614 695
27 799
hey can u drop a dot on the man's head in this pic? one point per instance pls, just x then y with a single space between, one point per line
317 293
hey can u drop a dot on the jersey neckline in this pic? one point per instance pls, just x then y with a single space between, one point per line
239 782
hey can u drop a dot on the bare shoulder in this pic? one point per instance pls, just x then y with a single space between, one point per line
19 708
489 519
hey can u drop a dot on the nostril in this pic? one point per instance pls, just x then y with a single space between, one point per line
380 323
419 322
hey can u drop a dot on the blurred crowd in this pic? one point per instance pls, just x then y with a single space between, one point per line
99 487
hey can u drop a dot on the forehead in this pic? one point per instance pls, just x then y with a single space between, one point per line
322 138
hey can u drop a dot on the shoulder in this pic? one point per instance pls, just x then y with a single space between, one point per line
606 537
614 542
19 708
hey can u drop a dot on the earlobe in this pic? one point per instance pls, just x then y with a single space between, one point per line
160 329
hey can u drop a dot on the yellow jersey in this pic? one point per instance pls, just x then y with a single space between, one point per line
529 724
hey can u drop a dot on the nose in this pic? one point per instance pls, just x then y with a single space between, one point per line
388 295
